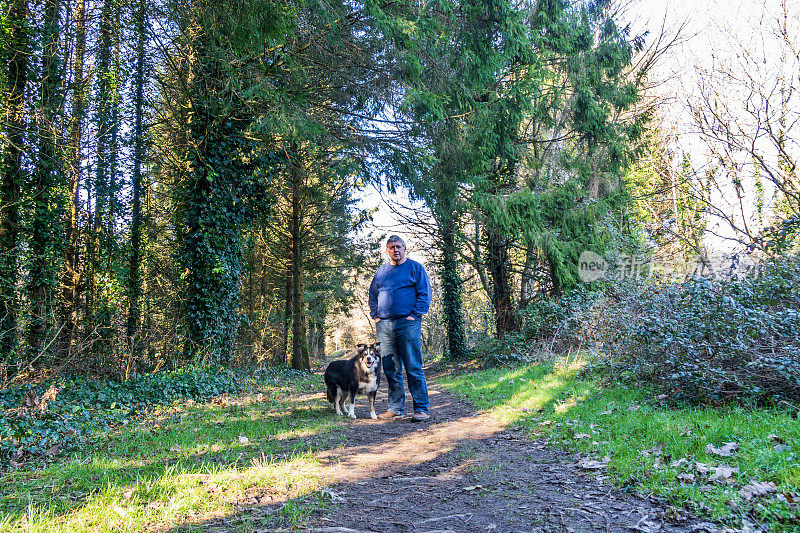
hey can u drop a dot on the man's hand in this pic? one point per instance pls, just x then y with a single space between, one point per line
409 317
377 320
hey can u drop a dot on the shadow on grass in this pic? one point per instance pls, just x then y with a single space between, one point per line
377 454
273 474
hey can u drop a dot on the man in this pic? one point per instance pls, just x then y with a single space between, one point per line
399 295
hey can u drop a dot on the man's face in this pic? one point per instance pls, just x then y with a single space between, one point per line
396 251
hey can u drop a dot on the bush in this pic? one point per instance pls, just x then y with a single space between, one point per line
704 341
554 321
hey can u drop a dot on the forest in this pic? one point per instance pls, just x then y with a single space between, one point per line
185 200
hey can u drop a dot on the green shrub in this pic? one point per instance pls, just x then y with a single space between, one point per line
705 341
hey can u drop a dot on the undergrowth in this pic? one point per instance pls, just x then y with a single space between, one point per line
83 407
700 341
183 457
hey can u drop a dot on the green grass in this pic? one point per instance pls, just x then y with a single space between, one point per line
184 465
554 400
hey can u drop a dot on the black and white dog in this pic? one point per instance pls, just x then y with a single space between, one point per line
360 374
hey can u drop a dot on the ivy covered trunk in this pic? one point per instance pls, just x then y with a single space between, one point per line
71 280
47 176
213 212
15 63
134 276
451 286
299 341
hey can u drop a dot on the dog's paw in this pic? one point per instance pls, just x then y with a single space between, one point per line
372 415
352 415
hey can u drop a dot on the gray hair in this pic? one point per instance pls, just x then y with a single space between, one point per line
395 238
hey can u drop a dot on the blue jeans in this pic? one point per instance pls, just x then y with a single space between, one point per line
401 346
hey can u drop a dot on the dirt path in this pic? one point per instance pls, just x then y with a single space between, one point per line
465 471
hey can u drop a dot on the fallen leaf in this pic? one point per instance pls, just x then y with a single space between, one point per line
634 407
726 450
686 433
723 473
704 527
679 462
685 478
581 435
662 397
52 452
780 447
471 488
774 438
588 464
546 423
701 468
655 451
606 412
243 440
334 496
755 488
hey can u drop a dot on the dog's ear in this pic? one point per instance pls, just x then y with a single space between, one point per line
361 347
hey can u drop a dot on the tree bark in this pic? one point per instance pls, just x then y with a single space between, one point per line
498 265
300 358
71 284
16 52
451 286
46 175
134 276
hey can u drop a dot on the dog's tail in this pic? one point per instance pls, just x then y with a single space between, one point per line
331 394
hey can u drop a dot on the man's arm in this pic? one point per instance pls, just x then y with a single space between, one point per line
373 299
423 288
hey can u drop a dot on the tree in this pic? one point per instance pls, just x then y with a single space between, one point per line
46 204
134 282
16 50
72 278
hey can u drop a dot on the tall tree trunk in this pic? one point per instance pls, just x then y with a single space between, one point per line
71 284
134 279
46 175
528 276
16 52
451 286
102 252
498 265
287 310
300 358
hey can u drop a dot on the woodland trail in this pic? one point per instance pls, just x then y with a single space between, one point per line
465 471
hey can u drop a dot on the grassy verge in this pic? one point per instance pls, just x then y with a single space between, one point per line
186 464
654 448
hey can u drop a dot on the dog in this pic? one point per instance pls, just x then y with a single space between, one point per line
359 374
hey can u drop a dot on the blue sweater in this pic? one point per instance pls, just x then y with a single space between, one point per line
400 291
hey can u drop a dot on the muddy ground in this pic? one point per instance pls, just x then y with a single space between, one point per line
465 471
462 470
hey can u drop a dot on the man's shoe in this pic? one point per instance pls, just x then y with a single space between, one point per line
388 415
420 416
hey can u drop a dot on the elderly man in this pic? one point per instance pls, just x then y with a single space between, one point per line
399 295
